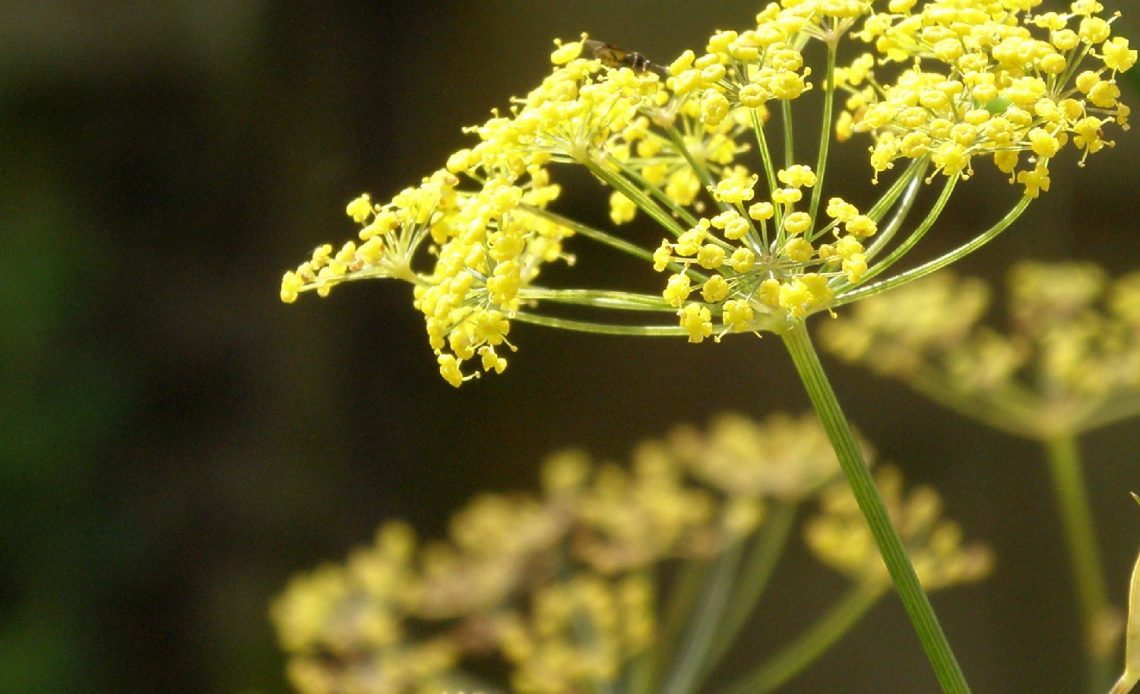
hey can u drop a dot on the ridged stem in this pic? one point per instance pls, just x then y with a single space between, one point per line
910 591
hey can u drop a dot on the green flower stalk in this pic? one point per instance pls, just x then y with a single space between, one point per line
754 237
573 589
1068 362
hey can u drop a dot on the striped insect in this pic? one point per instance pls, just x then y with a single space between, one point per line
612 56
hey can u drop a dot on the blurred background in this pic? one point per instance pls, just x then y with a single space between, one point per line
175 442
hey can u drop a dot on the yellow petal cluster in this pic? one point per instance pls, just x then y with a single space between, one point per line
768 256
986 78
489 244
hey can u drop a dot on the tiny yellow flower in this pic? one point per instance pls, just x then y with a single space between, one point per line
622 209
797 223
677 290
290 285
710 256
360 208
1034 181
449 369
742 260
799 249
761 211
1117 56
715 289
697 322
737 315
797 176
565 52
736 188
662 256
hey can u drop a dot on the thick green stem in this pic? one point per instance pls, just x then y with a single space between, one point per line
803 651
1097 614
914 599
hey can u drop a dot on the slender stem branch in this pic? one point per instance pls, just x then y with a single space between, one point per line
915 236
690 659
801 652
1088 572
914 599
677 140
765 153
598 298
602 237
599 328
601 169
605 238
684 592
938 263
824 132
763 556
906 188
679 211
789 136
909 181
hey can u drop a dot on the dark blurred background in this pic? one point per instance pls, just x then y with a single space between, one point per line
175 442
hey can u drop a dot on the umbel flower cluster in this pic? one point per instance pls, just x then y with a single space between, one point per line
562 588
751 240
1068 360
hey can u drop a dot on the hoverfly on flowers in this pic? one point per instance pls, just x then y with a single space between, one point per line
612 56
